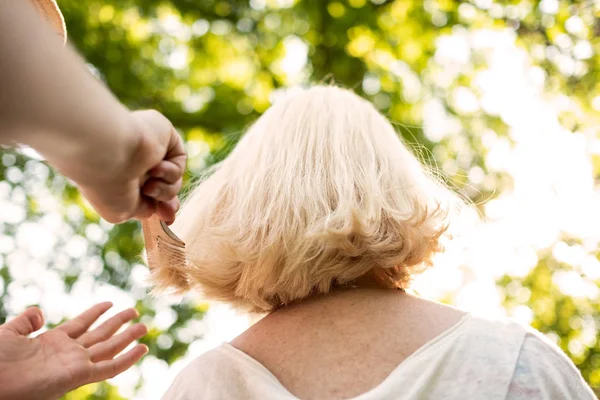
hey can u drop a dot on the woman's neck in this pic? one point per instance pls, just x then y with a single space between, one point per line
342 296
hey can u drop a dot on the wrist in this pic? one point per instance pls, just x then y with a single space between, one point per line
22 382
102 155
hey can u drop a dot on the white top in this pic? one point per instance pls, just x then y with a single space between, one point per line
475 359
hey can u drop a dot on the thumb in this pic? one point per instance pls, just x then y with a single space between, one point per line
26 323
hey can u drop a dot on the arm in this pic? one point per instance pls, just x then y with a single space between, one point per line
50 102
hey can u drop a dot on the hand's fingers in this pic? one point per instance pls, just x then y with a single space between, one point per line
161 125
161 191
167 210
82 323
109 369
107 329
176 151
26 323
167 171
146 209
113 346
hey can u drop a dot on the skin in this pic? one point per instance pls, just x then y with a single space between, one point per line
317 349
127 164
66 357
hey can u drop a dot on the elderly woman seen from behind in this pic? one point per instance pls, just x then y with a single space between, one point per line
319 218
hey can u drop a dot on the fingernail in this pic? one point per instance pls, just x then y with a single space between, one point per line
154 193
39 320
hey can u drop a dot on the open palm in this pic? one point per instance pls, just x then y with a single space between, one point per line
66 357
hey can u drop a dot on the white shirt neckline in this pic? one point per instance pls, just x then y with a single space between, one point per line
231 351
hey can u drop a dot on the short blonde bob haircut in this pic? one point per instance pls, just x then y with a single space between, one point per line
319 193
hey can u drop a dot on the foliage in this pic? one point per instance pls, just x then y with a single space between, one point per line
212 66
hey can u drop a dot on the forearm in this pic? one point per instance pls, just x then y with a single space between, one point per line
49 101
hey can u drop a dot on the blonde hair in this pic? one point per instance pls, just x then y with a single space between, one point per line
319 193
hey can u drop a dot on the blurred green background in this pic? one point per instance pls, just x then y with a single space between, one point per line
503 95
